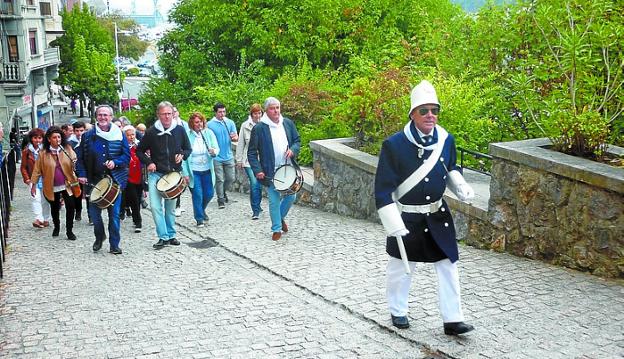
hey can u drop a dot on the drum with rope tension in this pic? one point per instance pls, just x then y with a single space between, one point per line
104 193
288 179
171 185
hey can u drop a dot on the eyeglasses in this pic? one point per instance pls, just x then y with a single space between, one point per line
424 110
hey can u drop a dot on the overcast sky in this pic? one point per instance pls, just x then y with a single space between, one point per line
143 7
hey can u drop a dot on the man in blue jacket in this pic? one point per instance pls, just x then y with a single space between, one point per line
415 166
104 151
274 142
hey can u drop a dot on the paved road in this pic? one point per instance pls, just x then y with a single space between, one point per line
229 291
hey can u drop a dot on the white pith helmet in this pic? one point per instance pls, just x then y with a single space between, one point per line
422 94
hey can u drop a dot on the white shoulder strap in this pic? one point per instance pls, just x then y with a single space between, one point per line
415 178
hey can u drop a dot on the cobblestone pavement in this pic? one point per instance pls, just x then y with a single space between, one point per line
229 291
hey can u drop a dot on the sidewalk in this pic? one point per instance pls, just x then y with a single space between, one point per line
229 291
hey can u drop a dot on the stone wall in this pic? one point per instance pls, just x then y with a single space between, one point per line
557 208
538 204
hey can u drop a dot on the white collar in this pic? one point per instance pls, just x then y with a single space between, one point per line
113 134
161 129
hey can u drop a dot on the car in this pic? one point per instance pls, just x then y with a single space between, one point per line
128 103
145 72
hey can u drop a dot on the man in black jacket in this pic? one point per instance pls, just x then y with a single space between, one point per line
163 148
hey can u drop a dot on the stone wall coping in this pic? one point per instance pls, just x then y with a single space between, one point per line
338 148
533 153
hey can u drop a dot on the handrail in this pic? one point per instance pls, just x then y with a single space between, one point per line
483 166
8 168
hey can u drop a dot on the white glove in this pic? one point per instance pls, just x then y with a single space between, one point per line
465 192
459 186
400 233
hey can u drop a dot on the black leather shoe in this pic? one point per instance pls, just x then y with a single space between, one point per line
71 236
400 322
97 245
78 217
55 232
159 244
457 328
115 250
173 242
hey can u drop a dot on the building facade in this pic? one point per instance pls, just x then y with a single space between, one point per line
28 62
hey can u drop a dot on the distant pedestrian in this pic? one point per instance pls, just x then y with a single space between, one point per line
414 168
73 106
30 154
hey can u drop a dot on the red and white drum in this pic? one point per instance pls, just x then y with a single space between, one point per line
104 193
171 185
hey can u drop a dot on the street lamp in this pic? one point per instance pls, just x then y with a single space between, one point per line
117 65
120 90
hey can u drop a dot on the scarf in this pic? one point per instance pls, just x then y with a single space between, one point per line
161 130
113 134
34 150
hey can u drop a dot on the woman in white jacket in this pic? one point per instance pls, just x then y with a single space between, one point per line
199 166
255 187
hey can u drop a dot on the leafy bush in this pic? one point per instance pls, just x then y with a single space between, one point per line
327 128
376 107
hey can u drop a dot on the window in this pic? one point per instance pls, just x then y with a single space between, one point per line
30 2
13 51
45 8
32 39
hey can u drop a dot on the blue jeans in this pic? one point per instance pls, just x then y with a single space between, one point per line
255 191
95 213
202 193
278 207
164 218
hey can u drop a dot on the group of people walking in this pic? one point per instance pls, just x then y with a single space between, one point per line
415 167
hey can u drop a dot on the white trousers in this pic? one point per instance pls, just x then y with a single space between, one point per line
40 207
449 298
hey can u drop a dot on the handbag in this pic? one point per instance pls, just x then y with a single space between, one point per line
75 189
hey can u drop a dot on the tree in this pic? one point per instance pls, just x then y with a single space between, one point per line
87 52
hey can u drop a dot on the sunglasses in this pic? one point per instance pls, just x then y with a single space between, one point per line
424 110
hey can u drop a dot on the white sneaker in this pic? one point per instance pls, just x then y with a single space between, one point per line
177 212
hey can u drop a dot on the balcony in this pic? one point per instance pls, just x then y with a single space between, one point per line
12 72
7 8
51 56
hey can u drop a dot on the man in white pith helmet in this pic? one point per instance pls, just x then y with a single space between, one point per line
415 166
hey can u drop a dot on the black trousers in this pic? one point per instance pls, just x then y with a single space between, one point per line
55 208
132 199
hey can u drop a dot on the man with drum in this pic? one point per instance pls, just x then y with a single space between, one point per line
103 157
274 142
415 165
168 145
